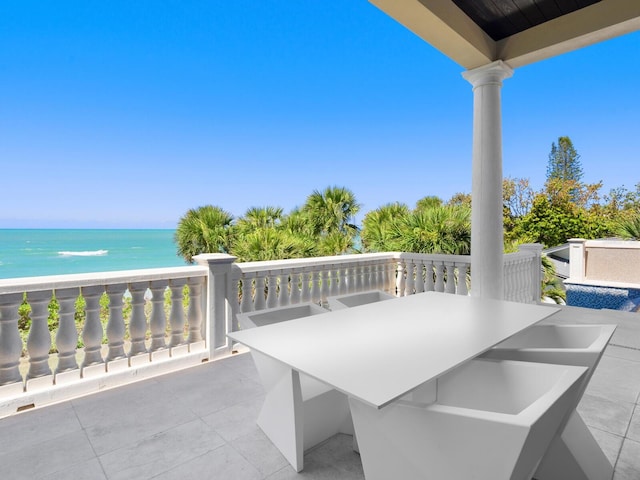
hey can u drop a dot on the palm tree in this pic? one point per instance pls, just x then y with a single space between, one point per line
203 230
271 244
551 284
377 227
259 217
442 229
332 210
629 228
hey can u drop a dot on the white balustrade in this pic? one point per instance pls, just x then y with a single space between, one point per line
242 287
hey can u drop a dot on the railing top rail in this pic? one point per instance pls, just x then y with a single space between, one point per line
52 282
275 265
518 255
435 256
612 243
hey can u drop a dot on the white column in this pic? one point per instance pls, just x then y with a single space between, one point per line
486 191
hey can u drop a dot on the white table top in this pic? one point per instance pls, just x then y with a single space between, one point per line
380 351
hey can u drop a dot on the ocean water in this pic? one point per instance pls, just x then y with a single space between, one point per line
31 252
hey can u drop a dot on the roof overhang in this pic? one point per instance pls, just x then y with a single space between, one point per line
446 27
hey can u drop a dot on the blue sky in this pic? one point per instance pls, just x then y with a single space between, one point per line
127 114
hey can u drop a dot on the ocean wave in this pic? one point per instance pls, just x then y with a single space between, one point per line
93 253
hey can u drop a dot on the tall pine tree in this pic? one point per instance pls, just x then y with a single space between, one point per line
564 161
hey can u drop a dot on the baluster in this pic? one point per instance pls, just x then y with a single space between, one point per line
373 276
410 280
176 317
10 341
92 331
284 297
194 313
335 281
366 277
316 279
306 286
462 279
439 287
158 320
115 324
324 286
67 335
380 283
296 283
138 321
342 274
400 280
351 279
259 303
359 282
419 276
428 276
247 284
390 274
39 340
451 279
272 290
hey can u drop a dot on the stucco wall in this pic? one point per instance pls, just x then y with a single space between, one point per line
612 264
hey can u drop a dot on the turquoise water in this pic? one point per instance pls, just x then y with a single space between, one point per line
28 253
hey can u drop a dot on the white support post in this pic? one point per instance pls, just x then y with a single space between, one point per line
486 191
220 294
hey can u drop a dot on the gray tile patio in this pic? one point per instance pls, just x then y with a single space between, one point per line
199 423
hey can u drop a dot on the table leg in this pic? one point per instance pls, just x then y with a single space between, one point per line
281 418
574 455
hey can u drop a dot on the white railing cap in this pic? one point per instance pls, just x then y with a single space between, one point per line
52 282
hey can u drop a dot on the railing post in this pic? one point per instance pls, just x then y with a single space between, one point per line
536 269
219 297
576 259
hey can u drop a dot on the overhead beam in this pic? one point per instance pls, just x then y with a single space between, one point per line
595 23
444 26
448 29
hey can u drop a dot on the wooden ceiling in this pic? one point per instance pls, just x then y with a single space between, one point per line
503 18
519 32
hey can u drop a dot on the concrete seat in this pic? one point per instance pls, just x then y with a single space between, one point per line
487 419
574 453
354 299
260 318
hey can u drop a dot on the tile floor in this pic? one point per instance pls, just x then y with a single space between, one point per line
199 423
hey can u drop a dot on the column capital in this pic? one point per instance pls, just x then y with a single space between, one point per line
490 74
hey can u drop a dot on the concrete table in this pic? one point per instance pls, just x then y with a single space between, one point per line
379 352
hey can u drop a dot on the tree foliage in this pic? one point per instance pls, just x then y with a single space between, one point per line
203 230
564 161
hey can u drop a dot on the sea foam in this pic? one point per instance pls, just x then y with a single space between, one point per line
93 253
